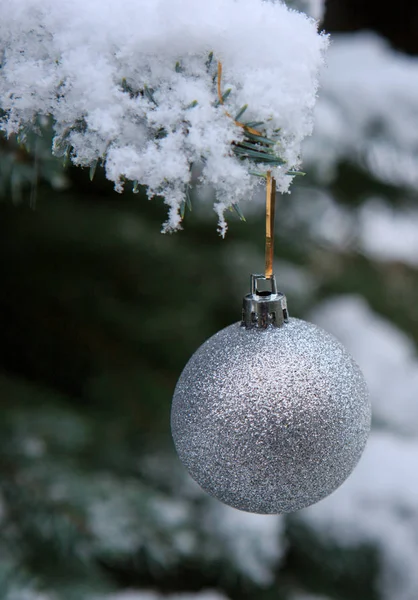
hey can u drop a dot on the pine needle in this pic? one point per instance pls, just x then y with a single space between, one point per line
239 212
93 168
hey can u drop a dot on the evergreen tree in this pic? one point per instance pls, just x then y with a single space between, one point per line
100 312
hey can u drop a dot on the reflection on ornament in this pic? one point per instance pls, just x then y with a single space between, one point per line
271 414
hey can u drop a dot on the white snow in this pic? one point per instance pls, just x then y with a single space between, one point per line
253 542
114 520
380 231
324 221
378 504
389 234
126 517
386 355
368 100
69 60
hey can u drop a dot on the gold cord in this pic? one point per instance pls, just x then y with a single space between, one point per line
270 213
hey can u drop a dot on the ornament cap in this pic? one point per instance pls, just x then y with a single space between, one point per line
264 307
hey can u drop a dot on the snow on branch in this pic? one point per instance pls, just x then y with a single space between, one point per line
369 98
133 85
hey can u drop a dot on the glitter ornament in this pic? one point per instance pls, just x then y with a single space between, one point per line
271 414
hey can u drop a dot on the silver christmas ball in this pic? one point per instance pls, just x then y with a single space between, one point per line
270 420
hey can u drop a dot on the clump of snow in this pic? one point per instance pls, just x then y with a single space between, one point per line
126 517
387 234
253 542
377 229
378 504
320 217
113 517
386 356
127 83
369 98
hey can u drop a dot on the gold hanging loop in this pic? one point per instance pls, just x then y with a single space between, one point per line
270 213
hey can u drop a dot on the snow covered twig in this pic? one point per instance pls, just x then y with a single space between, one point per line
130 85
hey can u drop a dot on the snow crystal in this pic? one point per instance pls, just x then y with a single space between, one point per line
379 502
127 84
368 100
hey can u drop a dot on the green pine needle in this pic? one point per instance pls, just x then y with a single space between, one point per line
252 146
224 97
258 155
209 61
260 139
239 212
258 174
188 199
226 94
241 112
187 202
254 124
301 173
150 94
66 157
93 168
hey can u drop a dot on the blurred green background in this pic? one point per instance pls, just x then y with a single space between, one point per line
99 312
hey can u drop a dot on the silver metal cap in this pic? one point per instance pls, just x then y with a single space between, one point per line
264 306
